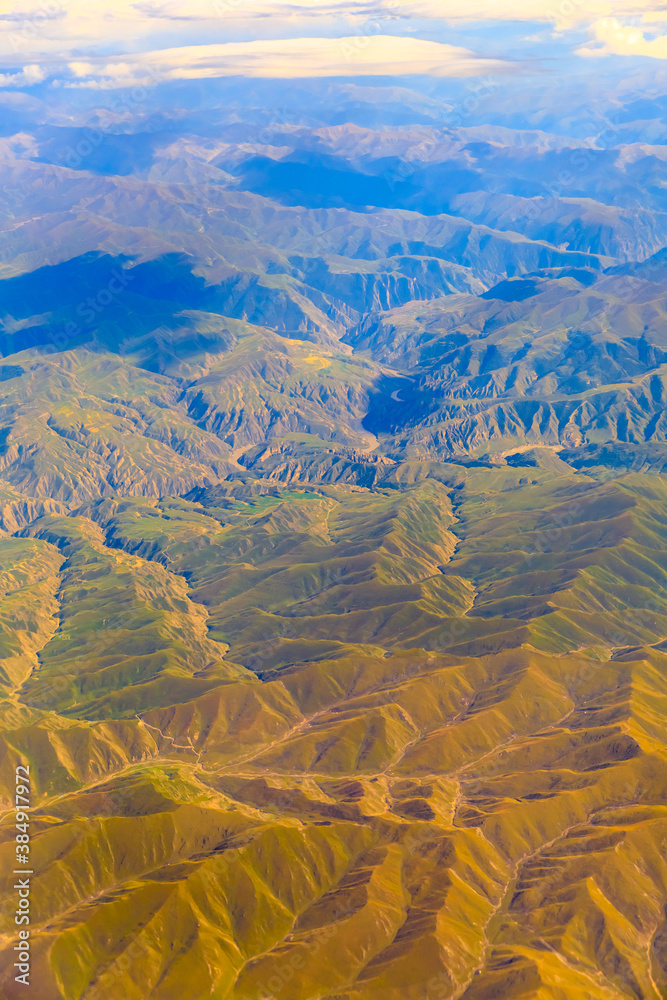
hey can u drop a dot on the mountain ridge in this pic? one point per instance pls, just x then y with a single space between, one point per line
332 548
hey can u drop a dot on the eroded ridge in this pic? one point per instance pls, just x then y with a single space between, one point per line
446 799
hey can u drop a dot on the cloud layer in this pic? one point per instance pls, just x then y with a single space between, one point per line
383 55
79 43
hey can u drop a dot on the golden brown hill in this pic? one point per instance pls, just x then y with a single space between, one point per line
405 744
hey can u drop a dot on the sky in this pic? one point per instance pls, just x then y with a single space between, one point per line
83 44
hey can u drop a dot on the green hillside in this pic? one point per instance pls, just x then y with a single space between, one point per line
333 509
442 702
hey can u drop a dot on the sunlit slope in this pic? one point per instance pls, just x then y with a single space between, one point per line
346 744
348 566
87 423
130 636
562 562
29 580
580 560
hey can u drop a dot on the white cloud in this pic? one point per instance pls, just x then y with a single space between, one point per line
293 57
60 26
47 33
27 77
614 38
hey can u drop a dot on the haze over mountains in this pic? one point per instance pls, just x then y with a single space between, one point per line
515 274
332 424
